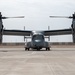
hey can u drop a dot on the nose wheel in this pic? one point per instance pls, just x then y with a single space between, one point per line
38 49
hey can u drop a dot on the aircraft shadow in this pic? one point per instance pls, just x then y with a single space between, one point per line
34 50
19 50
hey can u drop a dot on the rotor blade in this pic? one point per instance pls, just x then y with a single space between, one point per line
13 17
60 17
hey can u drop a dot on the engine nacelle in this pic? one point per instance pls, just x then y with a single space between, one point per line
73 28
1 28
73 33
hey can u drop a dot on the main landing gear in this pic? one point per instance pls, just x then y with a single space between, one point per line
47 49
38 49
26 49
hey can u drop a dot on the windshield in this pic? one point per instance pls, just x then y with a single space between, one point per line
38 37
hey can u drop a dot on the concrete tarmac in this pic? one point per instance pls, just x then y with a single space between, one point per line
58 61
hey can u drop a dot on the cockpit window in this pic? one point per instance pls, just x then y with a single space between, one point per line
37 37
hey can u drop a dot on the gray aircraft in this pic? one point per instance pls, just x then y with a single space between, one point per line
38 37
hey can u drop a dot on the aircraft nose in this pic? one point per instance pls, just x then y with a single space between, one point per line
38 43
37 40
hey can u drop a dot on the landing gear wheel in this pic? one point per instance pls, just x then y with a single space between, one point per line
48 49
26 49
38 49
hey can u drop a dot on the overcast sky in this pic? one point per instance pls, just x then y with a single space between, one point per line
37 14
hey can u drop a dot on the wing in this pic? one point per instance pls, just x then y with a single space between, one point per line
17 32
57 32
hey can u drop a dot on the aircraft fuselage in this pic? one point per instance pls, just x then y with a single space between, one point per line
37 41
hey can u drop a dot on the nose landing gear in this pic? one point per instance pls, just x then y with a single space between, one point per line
38 49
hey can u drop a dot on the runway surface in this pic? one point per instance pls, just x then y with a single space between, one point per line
58 61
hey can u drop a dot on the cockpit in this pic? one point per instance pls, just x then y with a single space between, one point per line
37 38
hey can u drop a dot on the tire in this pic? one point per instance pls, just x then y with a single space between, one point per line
38 49
28 49
48 49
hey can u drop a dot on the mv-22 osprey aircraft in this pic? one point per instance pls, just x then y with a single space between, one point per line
38 37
